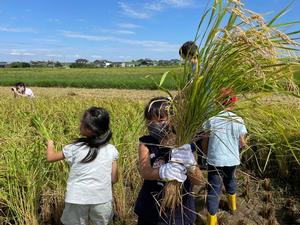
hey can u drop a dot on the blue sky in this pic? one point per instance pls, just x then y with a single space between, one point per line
119 30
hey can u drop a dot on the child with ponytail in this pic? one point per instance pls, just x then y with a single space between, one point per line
93 170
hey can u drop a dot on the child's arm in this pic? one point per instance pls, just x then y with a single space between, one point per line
242 141
114 172
16 93
51 154
145 168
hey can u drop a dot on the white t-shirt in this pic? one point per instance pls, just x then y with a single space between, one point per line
29 92
89 183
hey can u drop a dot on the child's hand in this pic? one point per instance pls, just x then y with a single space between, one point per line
172 171
183 155
50 143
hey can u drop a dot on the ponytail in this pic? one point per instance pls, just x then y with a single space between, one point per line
94 143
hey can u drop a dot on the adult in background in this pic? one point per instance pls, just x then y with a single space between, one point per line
22 90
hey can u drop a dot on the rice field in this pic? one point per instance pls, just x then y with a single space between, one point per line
121 78
116 78
32 190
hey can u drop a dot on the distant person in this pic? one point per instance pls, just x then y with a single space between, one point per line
22 90
93 170
226 136
189 52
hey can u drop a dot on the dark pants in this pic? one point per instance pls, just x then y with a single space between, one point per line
142 221
216 177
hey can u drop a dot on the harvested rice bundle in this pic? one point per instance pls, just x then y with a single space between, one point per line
238 50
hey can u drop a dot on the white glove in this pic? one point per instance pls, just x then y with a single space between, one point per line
172 171
183 155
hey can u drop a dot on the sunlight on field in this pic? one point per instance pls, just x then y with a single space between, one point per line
97 93
25 172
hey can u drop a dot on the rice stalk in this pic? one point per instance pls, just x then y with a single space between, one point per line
39 125
238 50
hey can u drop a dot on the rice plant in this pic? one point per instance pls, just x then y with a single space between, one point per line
238 50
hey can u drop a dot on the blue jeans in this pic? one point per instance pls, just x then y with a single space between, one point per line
216 177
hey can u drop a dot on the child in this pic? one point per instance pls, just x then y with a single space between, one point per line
189 52
22 90
226 136
155 166
93 170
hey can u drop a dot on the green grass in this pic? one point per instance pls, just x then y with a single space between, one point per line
121 78
125 78
297 74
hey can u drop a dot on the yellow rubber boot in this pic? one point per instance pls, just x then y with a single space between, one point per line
232 202
211 219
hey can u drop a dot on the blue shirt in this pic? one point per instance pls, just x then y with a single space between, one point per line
225 130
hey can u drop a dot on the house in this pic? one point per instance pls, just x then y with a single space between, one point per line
102 63
130 65
119 64
3 64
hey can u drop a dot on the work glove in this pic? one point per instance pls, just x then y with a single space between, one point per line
184 156
172 171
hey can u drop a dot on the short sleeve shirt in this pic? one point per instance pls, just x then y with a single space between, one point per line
29 92
225 131
89 183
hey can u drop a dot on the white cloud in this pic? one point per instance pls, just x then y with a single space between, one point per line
22 53
149 44
124 32
128 25
159 5
115 31
16 30
35 52
124 57
143 11
156 6
47 40
129 11
54 55
54 20
70 34
178 3
96 56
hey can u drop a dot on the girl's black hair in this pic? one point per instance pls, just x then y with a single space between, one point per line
95 120
188 50
20 84
157 108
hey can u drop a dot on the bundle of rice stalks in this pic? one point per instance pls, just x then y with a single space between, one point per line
38 123
238 50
